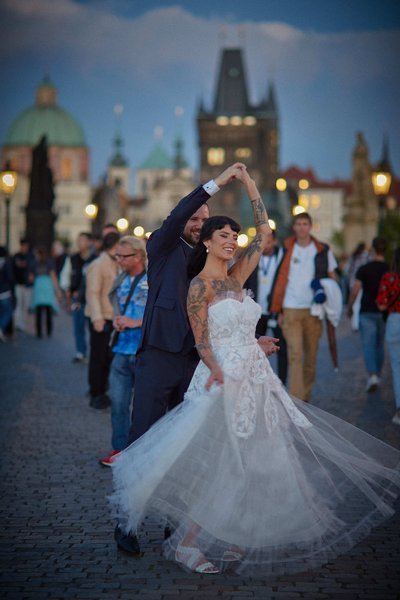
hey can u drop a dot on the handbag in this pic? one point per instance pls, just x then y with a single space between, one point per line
386 313
115 333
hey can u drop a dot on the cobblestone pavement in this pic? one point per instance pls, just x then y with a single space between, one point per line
56 530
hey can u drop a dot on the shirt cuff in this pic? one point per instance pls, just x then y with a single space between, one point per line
211 187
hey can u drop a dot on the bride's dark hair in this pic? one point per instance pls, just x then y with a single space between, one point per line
197 258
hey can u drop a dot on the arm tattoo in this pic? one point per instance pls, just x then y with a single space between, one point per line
199 321
254 247
196 297
198 317
260 215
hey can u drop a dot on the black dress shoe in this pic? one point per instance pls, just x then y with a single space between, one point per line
127 543
100 402
167 532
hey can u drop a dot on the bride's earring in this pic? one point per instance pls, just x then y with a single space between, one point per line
207 249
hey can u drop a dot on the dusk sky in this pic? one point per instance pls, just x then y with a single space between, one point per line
335 65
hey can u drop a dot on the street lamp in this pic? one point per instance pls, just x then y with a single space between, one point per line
91 210
8 182
122 224
381 181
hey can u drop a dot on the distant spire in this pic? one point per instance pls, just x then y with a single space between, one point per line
179 160
46 93
272 97
158 133
231 95
384 163
201 109
118 160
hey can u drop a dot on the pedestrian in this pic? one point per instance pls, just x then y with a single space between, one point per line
6 292
166 356
296 286
24 265
76 293
260 283
359 257
372 324
46 293
59 254
128 297
247 477
99 278
388 299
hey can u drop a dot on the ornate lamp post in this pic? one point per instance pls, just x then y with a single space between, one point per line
381 181
8 182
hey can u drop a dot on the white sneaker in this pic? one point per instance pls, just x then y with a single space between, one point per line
396 418
372 383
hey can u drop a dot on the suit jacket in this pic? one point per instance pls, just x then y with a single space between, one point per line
165 322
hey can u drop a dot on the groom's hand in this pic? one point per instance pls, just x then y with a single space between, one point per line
268 344
232 172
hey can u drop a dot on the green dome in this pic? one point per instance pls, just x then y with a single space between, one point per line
45 118
157 159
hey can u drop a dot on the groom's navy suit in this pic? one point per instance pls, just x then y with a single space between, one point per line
166 358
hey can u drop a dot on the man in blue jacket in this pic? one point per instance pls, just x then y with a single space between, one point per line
166 358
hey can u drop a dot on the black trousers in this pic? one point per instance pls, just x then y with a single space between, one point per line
49 320
99 359
161 380
261 329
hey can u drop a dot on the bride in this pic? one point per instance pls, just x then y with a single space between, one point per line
244 474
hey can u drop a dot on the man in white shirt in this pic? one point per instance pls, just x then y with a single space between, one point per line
305 262
260 283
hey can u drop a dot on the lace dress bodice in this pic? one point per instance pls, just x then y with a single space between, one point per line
232 321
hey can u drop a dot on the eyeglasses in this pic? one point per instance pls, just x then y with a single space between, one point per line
120 256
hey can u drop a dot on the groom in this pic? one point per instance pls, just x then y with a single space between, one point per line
166 357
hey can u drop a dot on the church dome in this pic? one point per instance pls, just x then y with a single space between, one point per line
45 117
157 159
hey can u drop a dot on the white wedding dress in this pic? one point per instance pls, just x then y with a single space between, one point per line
284 484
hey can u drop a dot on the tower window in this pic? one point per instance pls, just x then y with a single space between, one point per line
215 156
249 120
66 168
243 152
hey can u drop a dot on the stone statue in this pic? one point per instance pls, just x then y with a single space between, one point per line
39 211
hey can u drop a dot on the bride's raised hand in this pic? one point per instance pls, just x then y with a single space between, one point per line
216 376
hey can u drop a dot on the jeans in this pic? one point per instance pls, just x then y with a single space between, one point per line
393 343
6 310
79 322
122 379
372 329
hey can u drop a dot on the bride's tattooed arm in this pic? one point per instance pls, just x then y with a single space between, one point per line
197 309
250 257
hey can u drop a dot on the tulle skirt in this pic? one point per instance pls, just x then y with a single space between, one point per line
283 484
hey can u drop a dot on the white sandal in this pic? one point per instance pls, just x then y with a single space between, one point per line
231 556
191 557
